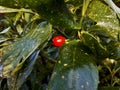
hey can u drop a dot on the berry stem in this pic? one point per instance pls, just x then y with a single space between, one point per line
62 33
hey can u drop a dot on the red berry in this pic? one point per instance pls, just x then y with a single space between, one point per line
58 41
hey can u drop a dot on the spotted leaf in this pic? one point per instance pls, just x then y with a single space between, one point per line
14 55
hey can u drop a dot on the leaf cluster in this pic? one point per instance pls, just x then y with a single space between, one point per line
87 61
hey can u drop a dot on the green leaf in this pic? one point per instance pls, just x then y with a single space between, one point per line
75 69
57 13
114 49
26 69
105 17
10 10
102 33
94 45
23 48
20 4
54 11
18 80
114 7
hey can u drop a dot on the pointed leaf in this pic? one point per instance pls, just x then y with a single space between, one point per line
22 49
94 45
75 69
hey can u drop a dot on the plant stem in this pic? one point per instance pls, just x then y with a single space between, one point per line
57 29
45 55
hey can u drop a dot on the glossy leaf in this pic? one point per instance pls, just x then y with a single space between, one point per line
105 17
75 69
23 48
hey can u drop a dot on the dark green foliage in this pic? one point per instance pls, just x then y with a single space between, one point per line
75 69
89 59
